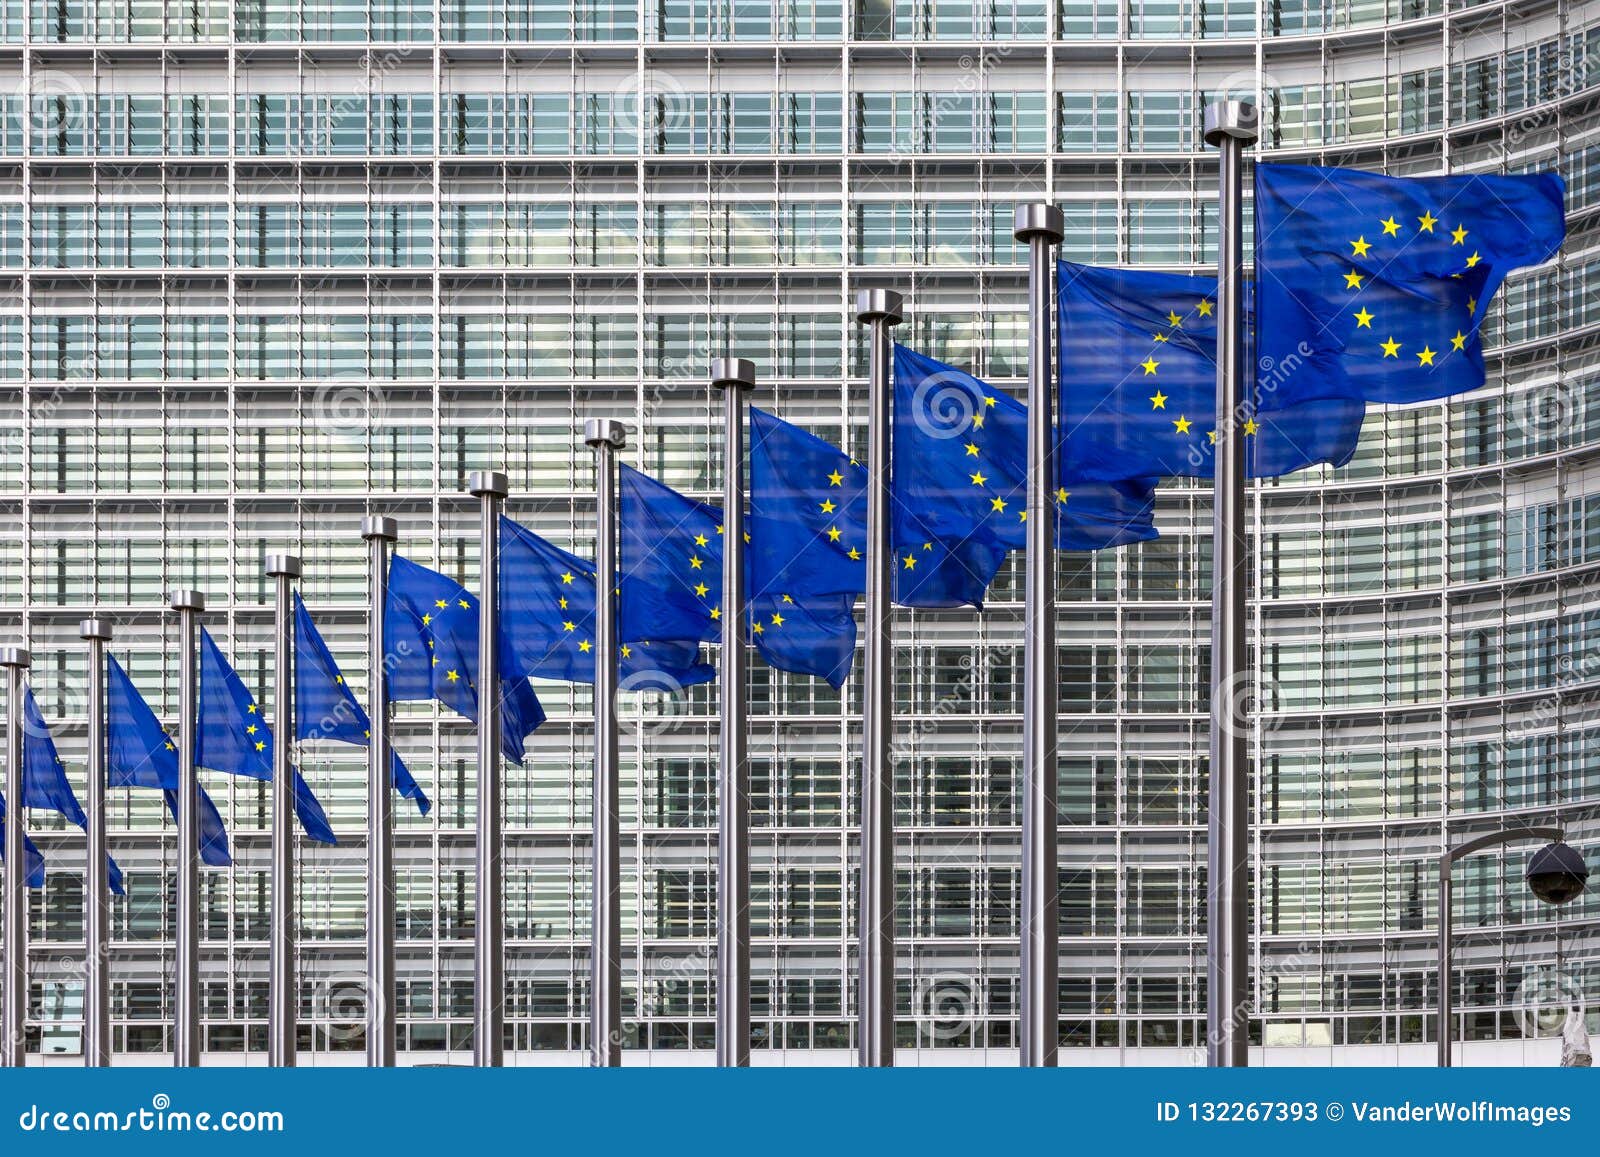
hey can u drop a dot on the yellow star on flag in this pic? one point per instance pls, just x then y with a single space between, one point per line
1391 348
1158 401
1426 222
1425 358
972 449
1182 424
1458 235
836 479
1250 426
1352 280
1149 365
997 504
451 676
827 506
1363 319
586 646
1360 245
1390 226
979 478
1459 341
1474 259
1204 308
911 562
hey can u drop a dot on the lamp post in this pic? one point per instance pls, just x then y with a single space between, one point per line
1556 873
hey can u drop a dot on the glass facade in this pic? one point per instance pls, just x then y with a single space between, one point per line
269 267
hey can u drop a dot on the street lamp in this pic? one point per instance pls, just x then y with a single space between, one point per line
1556 873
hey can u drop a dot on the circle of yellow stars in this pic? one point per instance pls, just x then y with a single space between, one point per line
1355 280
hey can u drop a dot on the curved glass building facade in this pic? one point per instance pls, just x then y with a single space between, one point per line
269 267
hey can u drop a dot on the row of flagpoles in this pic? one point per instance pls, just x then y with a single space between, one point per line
541 612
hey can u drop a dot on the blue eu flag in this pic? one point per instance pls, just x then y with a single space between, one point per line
44 778
808 538
671 548
547 601
430 640
959 496
325 708
34 856
141 754
1138 385
1373 288
234 738
672 576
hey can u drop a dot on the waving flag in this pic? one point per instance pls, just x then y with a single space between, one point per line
547 606
959 496
140 754
324 707
808 538
34 855
234 738
430 639
1373 288
1138 387
44 779
672 582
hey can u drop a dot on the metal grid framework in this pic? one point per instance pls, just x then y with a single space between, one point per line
272 270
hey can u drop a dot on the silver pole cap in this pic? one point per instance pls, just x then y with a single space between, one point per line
488 484
380 526
188 601
733 372
283 564
1037 219
605 432
15 657
1236 120
883 305
95 629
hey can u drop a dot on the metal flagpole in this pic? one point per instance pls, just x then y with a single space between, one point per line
186 987
1040 226
1230 125
878 309
606 436
282 1000
488 1033
734 376
14 909
378 533
97 889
